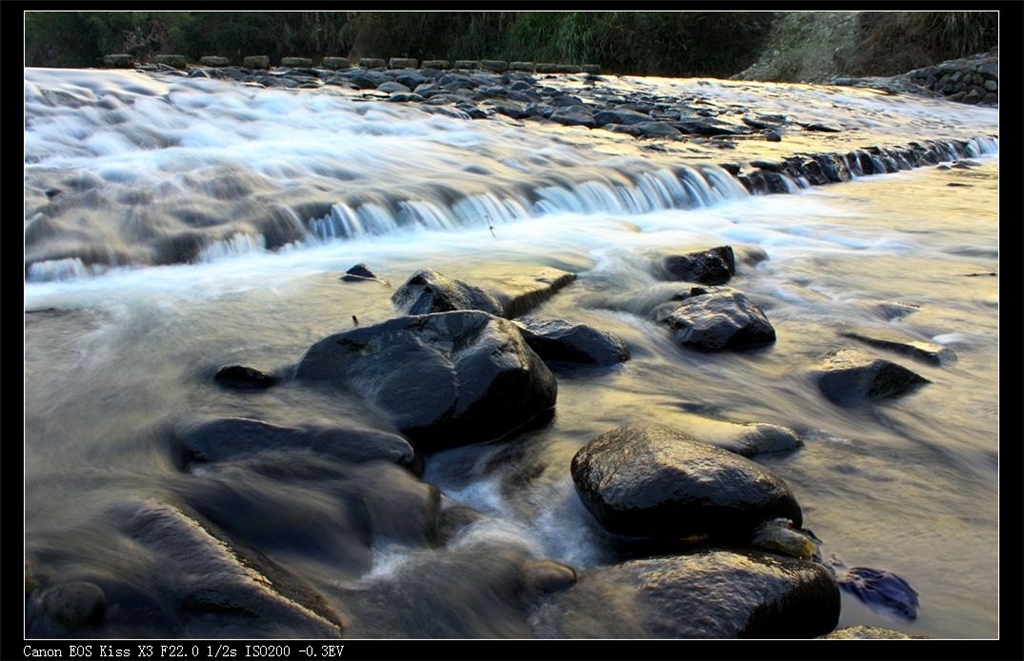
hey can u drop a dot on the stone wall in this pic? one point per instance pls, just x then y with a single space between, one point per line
972 80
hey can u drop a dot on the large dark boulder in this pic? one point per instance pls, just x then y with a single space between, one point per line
647 480
445 379
708 267
428 291
560 341
849 377
710 594
720 320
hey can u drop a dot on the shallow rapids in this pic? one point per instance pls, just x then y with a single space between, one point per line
173 226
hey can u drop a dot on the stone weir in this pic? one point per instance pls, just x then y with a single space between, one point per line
803 170
592 101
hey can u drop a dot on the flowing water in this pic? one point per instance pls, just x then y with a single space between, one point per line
176 225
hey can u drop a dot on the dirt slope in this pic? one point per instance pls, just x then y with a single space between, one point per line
802 47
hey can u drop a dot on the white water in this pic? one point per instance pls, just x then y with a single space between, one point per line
909 486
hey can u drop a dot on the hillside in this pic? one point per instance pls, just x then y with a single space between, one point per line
803 47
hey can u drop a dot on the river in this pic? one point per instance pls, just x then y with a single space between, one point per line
174 225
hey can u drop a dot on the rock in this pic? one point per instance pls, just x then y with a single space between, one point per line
393 87
709 267
204 573
371 63
779 536
445 379
403 63
118 61
175 61
648 480
214 61
240 377
849 377
547 576
710 594
335 63
256 62
560 341
296 62
220 439
747 439
521 294
656 130
880 589
428 291
361 273
74 605
861 632
720 320
623 116
399 508
453 519
494 65
573 116
929 352
708 127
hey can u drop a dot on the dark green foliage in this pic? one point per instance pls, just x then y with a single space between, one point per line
891 43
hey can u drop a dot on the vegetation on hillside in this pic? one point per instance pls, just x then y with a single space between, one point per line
653 43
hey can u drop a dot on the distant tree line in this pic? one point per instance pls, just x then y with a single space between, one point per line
651 43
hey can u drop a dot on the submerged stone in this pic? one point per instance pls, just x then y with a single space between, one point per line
929 352
240 377
519 294
229 438
849 377
75 604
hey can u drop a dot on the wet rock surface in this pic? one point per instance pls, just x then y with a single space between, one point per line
708 594
709 267
230 438
719 320
445 379
428 291
561 341
850 377
647 480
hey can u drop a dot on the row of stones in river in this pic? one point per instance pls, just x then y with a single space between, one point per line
973 80
516 93
258 62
